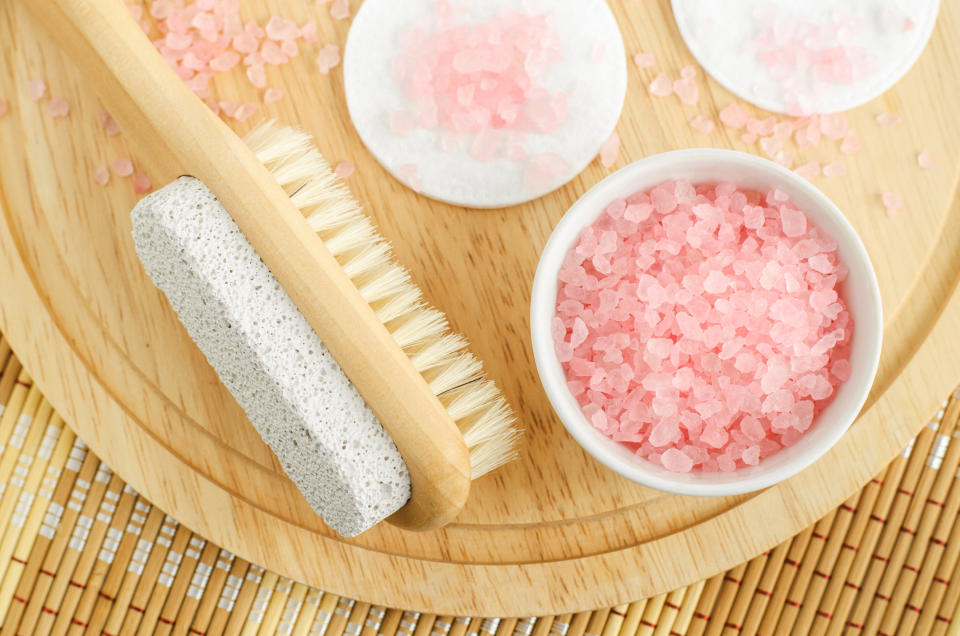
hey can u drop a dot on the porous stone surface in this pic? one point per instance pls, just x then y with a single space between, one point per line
265 352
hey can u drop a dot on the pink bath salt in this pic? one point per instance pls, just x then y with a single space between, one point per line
661 86
122 166
834 125
705 320
108 123
892 202
734 116
676 461
228 108
328 58
344 169
809 170
688 72
101 176
224 61
340 9
850 144
244 111
609 150
834 169
925 161
644 60
141 183
309 32
279 29
702 124
272 95
409 174
886 120
688 92
58 107
36 89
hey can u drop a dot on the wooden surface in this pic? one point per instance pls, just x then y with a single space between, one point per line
553 532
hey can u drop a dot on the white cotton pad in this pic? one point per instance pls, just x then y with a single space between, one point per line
293 391
854 49
592 76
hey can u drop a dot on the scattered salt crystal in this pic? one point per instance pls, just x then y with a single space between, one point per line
279 29
409 173
892 202
58 107
834 169
328 58
122 166
886 120
734 116
702 124
309 31
340 9
344 169
809 170
244 111
688 72
687 90
272 95
36 88
609 150
661 86
141 183
101 176
644 60
925 161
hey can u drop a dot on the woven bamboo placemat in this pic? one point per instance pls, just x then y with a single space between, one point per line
83 553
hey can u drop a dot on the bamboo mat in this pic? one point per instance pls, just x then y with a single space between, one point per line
83 553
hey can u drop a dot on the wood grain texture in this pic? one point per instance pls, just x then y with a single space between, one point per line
553 532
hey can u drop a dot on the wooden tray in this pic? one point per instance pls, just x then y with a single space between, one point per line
553 532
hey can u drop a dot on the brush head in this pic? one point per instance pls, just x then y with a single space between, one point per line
293 391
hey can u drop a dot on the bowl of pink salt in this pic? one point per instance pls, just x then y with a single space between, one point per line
706 322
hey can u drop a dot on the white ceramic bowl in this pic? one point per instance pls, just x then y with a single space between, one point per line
860 291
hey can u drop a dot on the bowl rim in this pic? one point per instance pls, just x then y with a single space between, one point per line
586 210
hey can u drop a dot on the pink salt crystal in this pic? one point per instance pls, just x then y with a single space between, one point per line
661 86
925 161
245 43
309 31
886 120
58 107
892 202
734 116
687 91
340 9
793 221
280 29
609 150
676 461
702 124
409 173
688 72
224 62
834 125
644 60
850 144
328 57
272 95
834 169
141 183
228 107
244 111
748 138
751 455
809 170
36 88
122 166
101 176
257 75
344 169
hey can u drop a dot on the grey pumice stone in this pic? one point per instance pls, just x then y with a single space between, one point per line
267 355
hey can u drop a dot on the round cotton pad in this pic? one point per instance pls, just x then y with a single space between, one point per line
484 104
806 56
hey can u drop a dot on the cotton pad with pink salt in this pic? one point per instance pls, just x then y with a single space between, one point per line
702 326
494 102
809 56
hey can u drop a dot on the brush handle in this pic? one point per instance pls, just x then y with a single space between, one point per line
180 135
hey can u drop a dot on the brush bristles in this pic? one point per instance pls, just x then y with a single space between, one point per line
454 375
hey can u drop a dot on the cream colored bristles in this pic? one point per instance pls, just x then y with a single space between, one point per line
454 375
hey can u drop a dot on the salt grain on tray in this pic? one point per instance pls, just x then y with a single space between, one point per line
701 326
344 169
122 166
644 60
925 161
36 88
58 107
101 176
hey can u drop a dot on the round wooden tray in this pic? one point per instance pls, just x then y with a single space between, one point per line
554 531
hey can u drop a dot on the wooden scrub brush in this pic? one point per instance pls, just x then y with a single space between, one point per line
373 407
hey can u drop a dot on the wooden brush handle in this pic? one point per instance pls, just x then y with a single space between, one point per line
180 135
